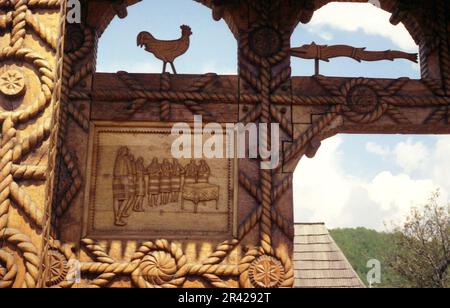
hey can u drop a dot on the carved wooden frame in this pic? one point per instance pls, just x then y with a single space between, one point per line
308 109
140 127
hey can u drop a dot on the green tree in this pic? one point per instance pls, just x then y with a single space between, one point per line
360 245
422 252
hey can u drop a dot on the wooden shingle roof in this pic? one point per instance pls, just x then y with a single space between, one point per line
318 261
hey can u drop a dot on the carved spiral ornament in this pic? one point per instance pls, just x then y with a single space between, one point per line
160 265
363 102
158 268
362 99
266 272
8 269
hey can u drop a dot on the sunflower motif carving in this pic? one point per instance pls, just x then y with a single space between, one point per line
158 267
266 272
12 83
57 268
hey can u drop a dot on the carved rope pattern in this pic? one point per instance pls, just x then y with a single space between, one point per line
12 149
264 83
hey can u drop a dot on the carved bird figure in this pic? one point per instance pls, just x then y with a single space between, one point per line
166 51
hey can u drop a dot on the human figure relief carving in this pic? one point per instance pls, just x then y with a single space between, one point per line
137 185
165 180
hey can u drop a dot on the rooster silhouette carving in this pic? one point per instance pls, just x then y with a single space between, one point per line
166 51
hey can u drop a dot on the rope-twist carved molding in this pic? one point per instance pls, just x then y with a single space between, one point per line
27 204
164 264
28 251
165 104
9 276
28 144
47 4
26 172
46 78
13 149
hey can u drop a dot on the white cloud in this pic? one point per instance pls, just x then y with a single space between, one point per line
377 149
411 156
319 175
398 193
324 191
327 36
353 17
439 167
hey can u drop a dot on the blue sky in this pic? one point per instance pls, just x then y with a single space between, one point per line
371 179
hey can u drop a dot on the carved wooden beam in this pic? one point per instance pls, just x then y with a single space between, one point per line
30 119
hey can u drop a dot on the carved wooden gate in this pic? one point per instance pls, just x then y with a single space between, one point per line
69 136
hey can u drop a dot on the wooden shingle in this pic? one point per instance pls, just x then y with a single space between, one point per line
319 262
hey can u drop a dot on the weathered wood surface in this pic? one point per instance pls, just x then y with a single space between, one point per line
48 121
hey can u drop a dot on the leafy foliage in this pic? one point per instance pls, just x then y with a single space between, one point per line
422 254
416 254
361 245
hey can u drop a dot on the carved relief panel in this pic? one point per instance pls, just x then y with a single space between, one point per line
137 189
150 219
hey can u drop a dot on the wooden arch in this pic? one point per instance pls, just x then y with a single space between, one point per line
57 100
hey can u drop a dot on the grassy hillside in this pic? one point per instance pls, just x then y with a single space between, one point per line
361 245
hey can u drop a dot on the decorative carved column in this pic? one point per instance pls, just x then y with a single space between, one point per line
263 30
31 56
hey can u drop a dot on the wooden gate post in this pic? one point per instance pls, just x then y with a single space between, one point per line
31 52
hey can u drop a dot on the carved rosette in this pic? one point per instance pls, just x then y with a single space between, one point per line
58 269
12 83
265 41
266 271
363 103
159 265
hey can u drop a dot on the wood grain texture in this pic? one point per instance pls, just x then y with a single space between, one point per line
49 120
